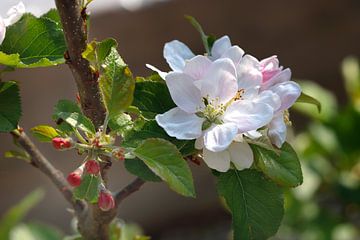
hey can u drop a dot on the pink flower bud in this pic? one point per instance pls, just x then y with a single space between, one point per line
269 68
92 167
61 143
106 201
74 178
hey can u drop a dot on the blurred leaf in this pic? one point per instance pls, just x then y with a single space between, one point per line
326 98
139 168
256 204
34 232
14 215
33 42
44 133
285 169
152 130
351 73
126 231
152 97
74 237
207 40
20 154
165 160
88 189
10 106
304 98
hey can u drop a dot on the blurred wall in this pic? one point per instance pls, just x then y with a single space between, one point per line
311 37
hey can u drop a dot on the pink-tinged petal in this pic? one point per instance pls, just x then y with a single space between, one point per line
235 53
220 81
288 93
180 124
270 98
277 130
2 30
248 115
176 53
158 71
183 91
249 73
220 47
197 67
14 14
270 67
241 155
219 161
219 137
283 76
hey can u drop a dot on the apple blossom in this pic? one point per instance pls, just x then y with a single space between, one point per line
13 15
106 200
92 167
74 178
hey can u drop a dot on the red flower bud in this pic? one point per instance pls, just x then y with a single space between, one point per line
119 154
61 143
92 167
74 178
106 201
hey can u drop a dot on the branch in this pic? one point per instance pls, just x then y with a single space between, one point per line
74 26
128 190
39 161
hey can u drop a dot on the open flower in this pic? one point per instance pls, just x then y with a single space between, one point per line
212 109
13 15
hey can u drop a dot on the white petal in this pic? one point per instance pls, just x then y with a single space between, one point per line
199 143
283 76
180 124
249 75
219 161
248 115
220 81
241 155
14 14
219 137
252 134
2 30
220 47
183 91
197 67
277 130
288 93
155 69
176 53
270 98
235 53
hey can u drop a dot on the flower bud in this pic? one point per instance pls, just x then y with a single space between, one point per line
61 143
119 154
106 201
270 67
74 178
92 167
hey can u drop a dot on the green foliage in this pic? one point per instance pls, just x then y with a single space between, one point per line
13 216
44 133
304 98
19 154
33 42
138 168
53 15
256 204
283 169
208 41
164 159
152 97
10 106
126 231
34 232
88 189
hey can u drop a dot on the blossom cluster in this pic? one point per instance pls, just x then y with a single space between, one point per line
13 15
225 99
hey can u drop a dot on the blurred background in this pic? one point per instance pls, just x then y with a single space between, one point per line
311 37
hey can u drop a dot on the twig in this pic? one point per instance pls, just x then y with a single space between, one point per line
128 190
39 161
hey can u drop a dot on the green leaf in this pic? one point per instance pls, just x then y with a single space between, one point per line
152 97
256 204
10 106
304 98
165 160
207 40
116 82
19 154
44 133
79 121
139 168
152 130
34 232
284 169
53 15
66 106
14 215
33 42
88 189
